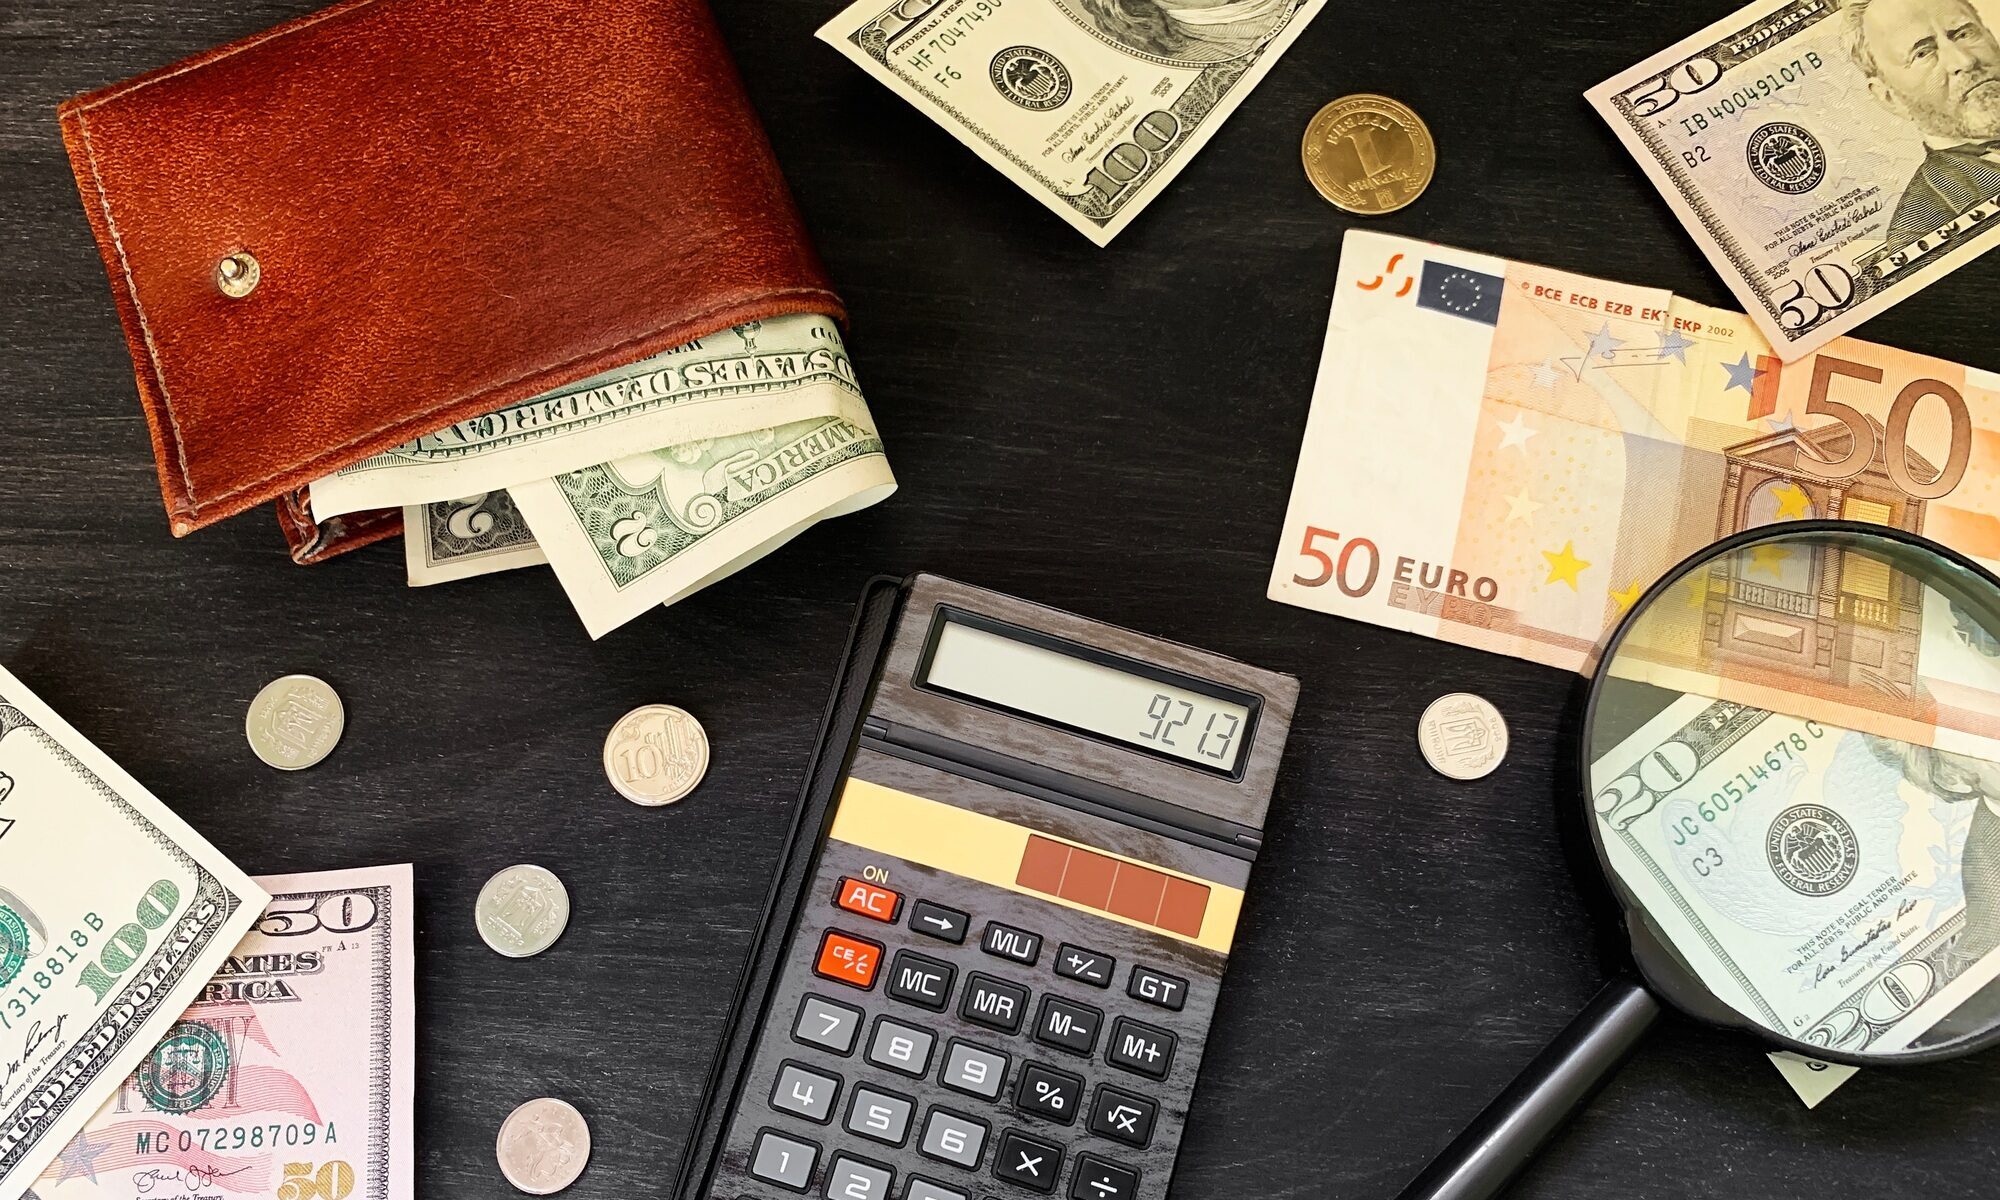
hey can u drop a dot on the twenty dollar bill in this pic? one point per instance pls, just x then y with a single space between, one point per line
1816 878
1829 156
1092 106
291 1075
113 914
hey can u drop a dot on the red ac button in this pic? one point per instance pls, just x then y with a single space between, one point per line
865 899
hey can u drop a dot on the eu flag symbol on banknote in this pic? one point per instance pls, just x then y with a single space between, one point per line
1462 292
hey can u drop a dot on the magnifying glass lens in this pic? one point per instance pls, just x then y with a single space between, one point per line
1793 756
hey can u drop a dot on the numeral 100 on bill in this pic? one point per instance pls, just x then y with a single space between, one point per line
1127 161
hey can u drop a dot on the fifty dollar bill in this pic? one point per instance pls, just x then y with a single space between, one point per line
293 1072
1091 106
1829 156
113 914
1505 456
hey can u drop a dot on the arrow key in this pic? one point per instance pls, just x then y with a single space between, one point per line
946 924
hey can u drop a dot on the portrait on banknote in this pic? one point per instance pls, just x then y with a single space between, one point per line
1185 31
1831 157
1936 65
1961 778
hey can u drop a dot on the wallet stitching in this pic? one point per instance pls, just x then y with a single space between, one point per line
138 309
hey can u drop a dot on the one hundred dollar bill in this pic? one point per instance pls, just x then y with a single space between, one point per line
1505 456
293 1072
651 528
470 536
1820 881
1091 106
750 376
113 915
1829 156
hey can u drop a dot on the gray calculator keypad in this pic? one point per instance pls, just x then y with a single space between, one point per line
959 1060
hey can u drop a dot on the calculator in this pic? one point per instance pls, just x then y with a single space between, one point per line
991 953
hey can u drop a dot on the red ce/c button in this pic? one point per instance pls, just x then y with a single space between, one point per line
848 960
866 900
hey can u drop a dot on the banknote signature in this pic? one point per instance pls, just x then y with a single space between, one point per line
42 1043
192 1177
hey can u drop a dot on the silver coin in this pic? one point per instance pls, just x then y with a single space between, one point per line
522 910
1462 736
543 1146
294 722
656 754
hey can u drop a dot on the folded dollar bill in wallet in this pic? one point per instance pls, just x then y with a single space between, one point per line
395 217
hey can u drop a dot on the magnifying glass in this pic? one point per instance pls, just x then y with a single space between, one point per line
1790 771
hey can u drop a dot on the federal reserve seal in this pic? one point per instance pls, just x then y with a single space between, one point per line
1813 850
1030 77
13 944
186 1070
1785 158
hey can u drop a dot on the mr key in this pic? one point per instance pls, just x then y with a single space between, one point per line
995 942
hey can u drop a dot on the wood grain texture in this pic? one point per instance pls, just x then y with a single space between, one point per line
1107 431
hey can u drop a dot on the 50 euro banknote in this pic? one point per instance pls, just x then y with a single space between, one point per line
1831 157
1505 456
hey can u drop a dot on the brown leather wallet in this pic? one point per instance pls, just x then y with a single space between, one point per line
451 207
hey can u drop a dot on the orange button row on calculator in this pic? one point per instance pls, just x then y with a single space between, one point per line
848 960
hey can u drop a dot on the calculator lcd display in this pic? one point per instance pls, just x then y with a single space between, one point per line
1164 718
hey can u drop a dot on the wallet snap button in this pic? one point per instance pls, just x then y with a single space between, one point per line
237 274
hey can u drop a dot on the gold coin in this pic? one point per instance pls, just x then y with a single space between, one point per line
1368 154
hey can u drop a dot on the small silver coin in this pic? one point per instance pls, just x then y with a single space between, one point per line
294 722
1462 736
543 1146
656 754
522 910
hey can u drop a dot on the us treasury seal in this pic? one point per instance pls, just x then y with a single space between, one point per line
1785 158
13 944
1030 77
1813 850
186 1070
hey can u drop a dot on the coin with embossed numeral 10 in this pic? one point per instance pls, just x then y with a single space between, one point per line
1462 736
656 754
543 1146
294 722
1368 154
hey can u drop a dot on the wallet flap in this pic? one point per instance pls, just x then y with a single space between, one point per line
452 207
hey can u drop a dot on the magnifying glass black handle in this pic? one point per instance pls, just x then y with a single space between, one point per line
1510 1131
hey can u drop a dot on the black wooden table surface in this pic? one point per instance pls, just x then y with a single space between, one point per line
1109 431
